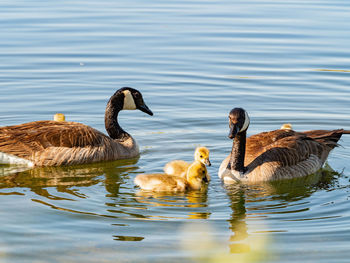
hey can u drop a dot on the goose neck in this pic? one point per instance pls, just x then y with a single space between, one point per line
238 152
111 120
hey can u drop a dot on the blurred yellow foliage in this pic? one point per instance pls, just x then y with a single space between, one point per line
199 241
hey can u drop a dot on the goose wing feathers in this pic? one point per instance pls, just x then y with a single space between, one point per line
329 138
287 148
24 139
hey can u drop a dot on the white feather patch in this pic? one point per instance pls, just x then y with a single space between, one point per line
246 122
6 158
169 170
129 103
229 176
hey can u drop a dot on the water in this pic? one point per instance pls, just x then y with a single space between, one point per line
283 61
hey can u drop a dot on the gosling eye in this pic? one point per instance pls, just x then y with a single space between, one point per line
201 156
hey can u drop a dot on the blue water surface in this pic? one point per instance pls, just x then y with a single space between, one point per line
193 61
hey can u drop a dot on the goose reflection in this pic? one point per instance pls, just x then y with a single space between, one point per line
238 225
251 202
67 179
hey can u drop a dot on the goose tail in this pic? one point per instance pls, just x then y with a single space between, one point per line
329 138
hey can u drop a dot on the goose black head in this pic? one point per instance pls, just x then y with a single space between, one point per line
238 122
132 100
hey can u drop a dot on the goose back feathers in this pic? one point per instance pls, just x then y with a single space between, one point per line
274 155
54 143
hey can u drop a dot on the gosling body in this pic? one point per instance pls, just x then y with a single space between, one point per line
179 167
274 155
55 143
59 117
195 177
286 126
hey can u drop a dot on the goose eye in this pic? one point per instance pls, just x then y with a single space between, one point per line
201 156
136 95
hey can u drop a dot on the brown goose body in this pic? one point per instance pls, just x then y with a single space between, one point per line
278 154
55 143
51 143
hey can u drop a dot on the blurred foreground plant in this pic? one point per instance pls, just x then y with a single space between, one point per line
202 245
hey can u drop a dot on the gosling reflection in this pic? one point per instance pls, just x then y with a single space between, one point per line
195 202
252 201
198 200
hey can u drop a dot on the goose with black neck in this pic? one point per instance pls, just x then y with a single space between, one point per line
55 143
274 155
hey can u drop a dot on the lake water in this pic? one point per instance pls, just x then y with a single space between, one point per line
193 61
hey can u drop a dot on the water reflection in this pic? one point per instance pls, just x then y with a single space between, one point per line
127 238
238 225
259 201
198 200
67 179
195 203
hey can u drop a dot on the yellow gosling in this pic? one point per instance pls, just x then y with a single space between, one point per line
59 117
286 126
179 167
195 176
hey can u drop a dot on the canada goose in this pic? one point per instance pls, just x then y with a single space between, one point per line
52 143
286 126
179 167
195 176
59 117
274 155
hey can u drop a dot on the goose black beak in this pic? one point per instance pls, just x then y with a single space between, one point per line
145 109
205 179
234 129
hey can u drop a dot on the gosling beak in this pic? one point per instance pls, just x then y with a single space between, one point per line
145 109
207 162
233 131
205 179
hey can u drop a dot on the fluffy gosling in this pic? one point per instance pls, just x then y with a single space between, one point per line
179 167
59 117
286 126
195 176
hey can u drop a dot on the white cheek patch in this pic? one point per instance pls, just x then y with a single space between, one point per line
129 103
246 122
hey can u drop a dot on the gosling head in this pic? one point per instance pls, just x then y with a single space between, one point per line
59 117
129 99
286 126
202 154
238 122
197 174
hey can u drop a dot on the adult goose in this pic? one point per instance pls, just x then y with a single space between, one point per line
274 155
55 143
